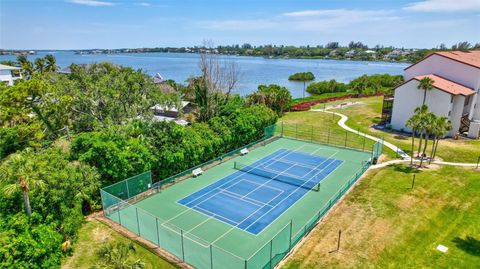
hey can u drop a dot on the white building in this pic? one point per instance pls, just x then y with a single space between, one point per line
456 76
8 74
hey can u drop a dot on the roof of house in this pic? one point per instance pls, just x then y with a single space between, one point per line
7 67
471 58
183 104
447 86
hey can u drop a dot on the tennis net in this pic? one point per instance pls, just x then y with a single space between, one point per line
309 184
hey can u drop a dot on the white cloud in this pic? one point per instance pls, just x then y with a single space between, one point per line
143 4
444 5
306 20
337 13
92 3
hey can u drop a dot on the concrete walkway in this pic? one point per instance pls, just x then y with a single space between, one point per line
342 124
425 161
405 157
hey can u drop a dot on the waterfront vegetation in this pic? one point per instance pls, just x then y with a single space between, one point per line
332 50
64 136
365 84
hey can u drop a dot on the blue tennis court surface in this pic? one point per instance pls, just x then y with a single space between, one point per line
253 197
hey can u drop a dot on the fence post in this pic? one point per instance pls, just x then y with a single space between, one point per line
245 264
346 133
119 219
158 235
328 137
271 250
211 257
183 250
364 138
138 224
478 161
282 128
128 191
290 242
311 135
296 130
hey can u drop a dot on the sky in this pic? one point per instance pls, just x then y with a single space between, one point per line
85 24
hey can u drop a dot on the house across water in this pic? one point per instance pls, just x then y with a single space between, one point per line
8 74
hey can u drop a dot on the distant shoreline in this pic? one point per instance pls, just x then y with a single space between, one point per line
129 51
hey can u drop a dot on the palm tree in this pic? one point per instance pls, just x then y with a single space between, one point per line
40 65
19 173
413 123
443 126
26 65
116 256
421 112
425 84
429 122
51 63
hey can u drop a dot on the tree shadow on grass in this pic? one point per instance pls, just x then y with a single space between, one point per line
406 169
469 245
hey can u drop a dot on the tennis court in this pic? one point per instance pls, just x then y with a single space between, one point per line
253 197
245 212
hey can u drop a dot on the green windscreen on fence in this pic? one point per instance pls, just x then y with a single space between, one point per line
121 204
331 136
130 187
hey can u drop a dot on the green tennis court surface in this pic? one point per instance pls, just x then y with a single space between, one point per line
209 224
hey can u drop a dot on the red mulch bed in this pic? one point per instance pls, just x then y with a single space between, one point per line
305 106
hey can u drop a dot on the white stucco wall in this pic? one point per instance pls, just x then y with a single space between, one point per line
408 97
457 113
455 71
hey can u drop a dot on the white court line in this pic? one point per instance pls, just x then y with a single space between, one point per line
210 191
237 196
210 217
286 198
313 168
279 191
268 181
218 238
253 182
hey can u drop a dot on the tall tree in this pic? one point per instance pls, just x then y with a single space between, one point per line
425 84
40 65
50 63
19 173
429 125
421 113
413 123
26 65
443 125
218 78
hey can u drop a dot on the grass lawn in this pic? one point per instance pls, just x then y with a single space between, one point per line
363 116
386 224
93 235
325 127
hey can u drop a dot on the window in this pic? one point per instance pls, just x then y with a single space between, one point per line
451 99
449 113
467 101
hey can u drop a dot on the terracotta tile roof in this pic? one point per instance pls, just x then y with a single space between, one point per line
447 86
468 57
471 57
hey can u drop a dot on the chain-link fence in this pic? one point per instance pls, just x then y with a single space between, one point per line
118 204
